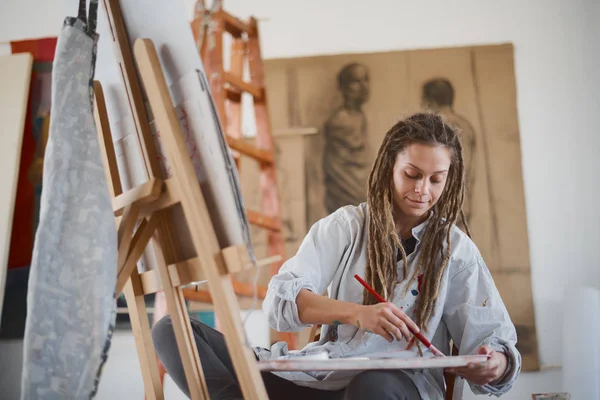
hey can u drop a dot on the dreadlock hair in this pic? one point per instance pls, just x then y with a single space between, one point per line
383 242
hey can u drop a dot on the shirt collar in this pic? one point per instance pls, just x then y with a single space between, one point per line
419 230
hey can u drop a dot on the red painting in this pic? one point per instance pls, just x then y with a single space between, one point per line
29 187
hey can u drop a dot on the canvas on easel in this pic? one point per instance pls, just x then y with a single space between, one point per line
171 166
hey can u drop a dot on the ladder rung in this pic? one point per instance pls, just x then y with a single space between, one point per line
239 83
248 289
233 95
234 26
262 220
250 150
240 288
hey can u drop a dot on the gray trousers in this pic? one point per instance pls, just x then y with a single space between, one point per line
223 385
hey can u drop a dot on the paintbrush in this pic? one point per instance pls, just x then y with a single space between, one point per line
418 335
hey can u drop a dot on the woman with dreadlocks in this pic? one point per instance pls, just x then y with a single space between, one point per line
405 244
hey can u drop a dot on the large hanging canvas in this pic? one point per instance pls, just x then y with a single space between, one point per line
353 99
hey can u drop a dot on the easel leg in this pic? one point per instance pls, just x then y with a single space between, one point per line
143 340
134 295
182 328
133 290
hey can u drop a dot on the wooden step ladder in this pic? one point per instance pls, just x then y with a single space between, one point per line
209 27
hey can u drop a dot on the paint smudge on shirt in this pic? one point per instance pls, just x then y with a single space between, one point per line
485 302
416 291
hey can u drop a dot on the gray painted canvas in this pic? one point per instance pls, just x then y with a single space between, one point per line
71 307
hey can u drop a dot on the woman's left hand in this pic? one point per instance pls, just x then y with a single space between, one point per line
487 372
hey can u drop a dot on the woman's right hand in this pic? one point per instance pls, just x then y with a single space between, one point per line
386 320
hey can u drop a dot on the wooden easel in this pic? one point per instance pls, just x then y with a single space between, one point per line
149 206
150 203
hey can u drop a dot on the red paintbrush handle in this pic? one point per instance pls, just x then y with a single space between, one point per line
419 335
370 289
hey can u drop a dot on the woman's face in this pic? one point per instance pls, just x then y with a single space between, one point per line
420 174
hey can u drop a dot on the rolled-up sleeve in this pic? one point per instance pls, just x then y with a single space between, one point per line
476 316
312 268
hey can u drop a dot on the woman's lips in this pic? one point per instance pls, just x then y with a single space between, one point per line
416 203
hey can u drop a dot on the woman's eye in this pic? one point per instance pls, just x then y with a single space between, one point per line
436 181
411 176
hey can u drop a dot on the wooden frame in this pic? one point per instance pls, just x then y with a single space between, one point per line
148 207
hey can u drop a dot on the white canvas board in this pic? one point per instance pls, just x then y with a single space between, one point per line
167 26
369 363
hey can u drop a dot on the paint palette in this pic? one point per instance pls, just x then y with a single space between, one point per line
298 355
369 363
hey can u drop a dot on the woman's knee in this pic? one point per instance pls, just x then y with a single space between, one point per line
381 385
163 334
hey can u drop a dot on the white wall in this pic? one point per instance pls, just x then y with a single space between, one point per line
557 62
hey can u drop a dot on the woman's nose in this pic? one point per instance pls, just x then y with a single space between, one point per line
422 187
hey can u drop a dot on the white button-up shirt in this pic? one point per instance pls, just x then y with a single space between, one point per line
469 309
